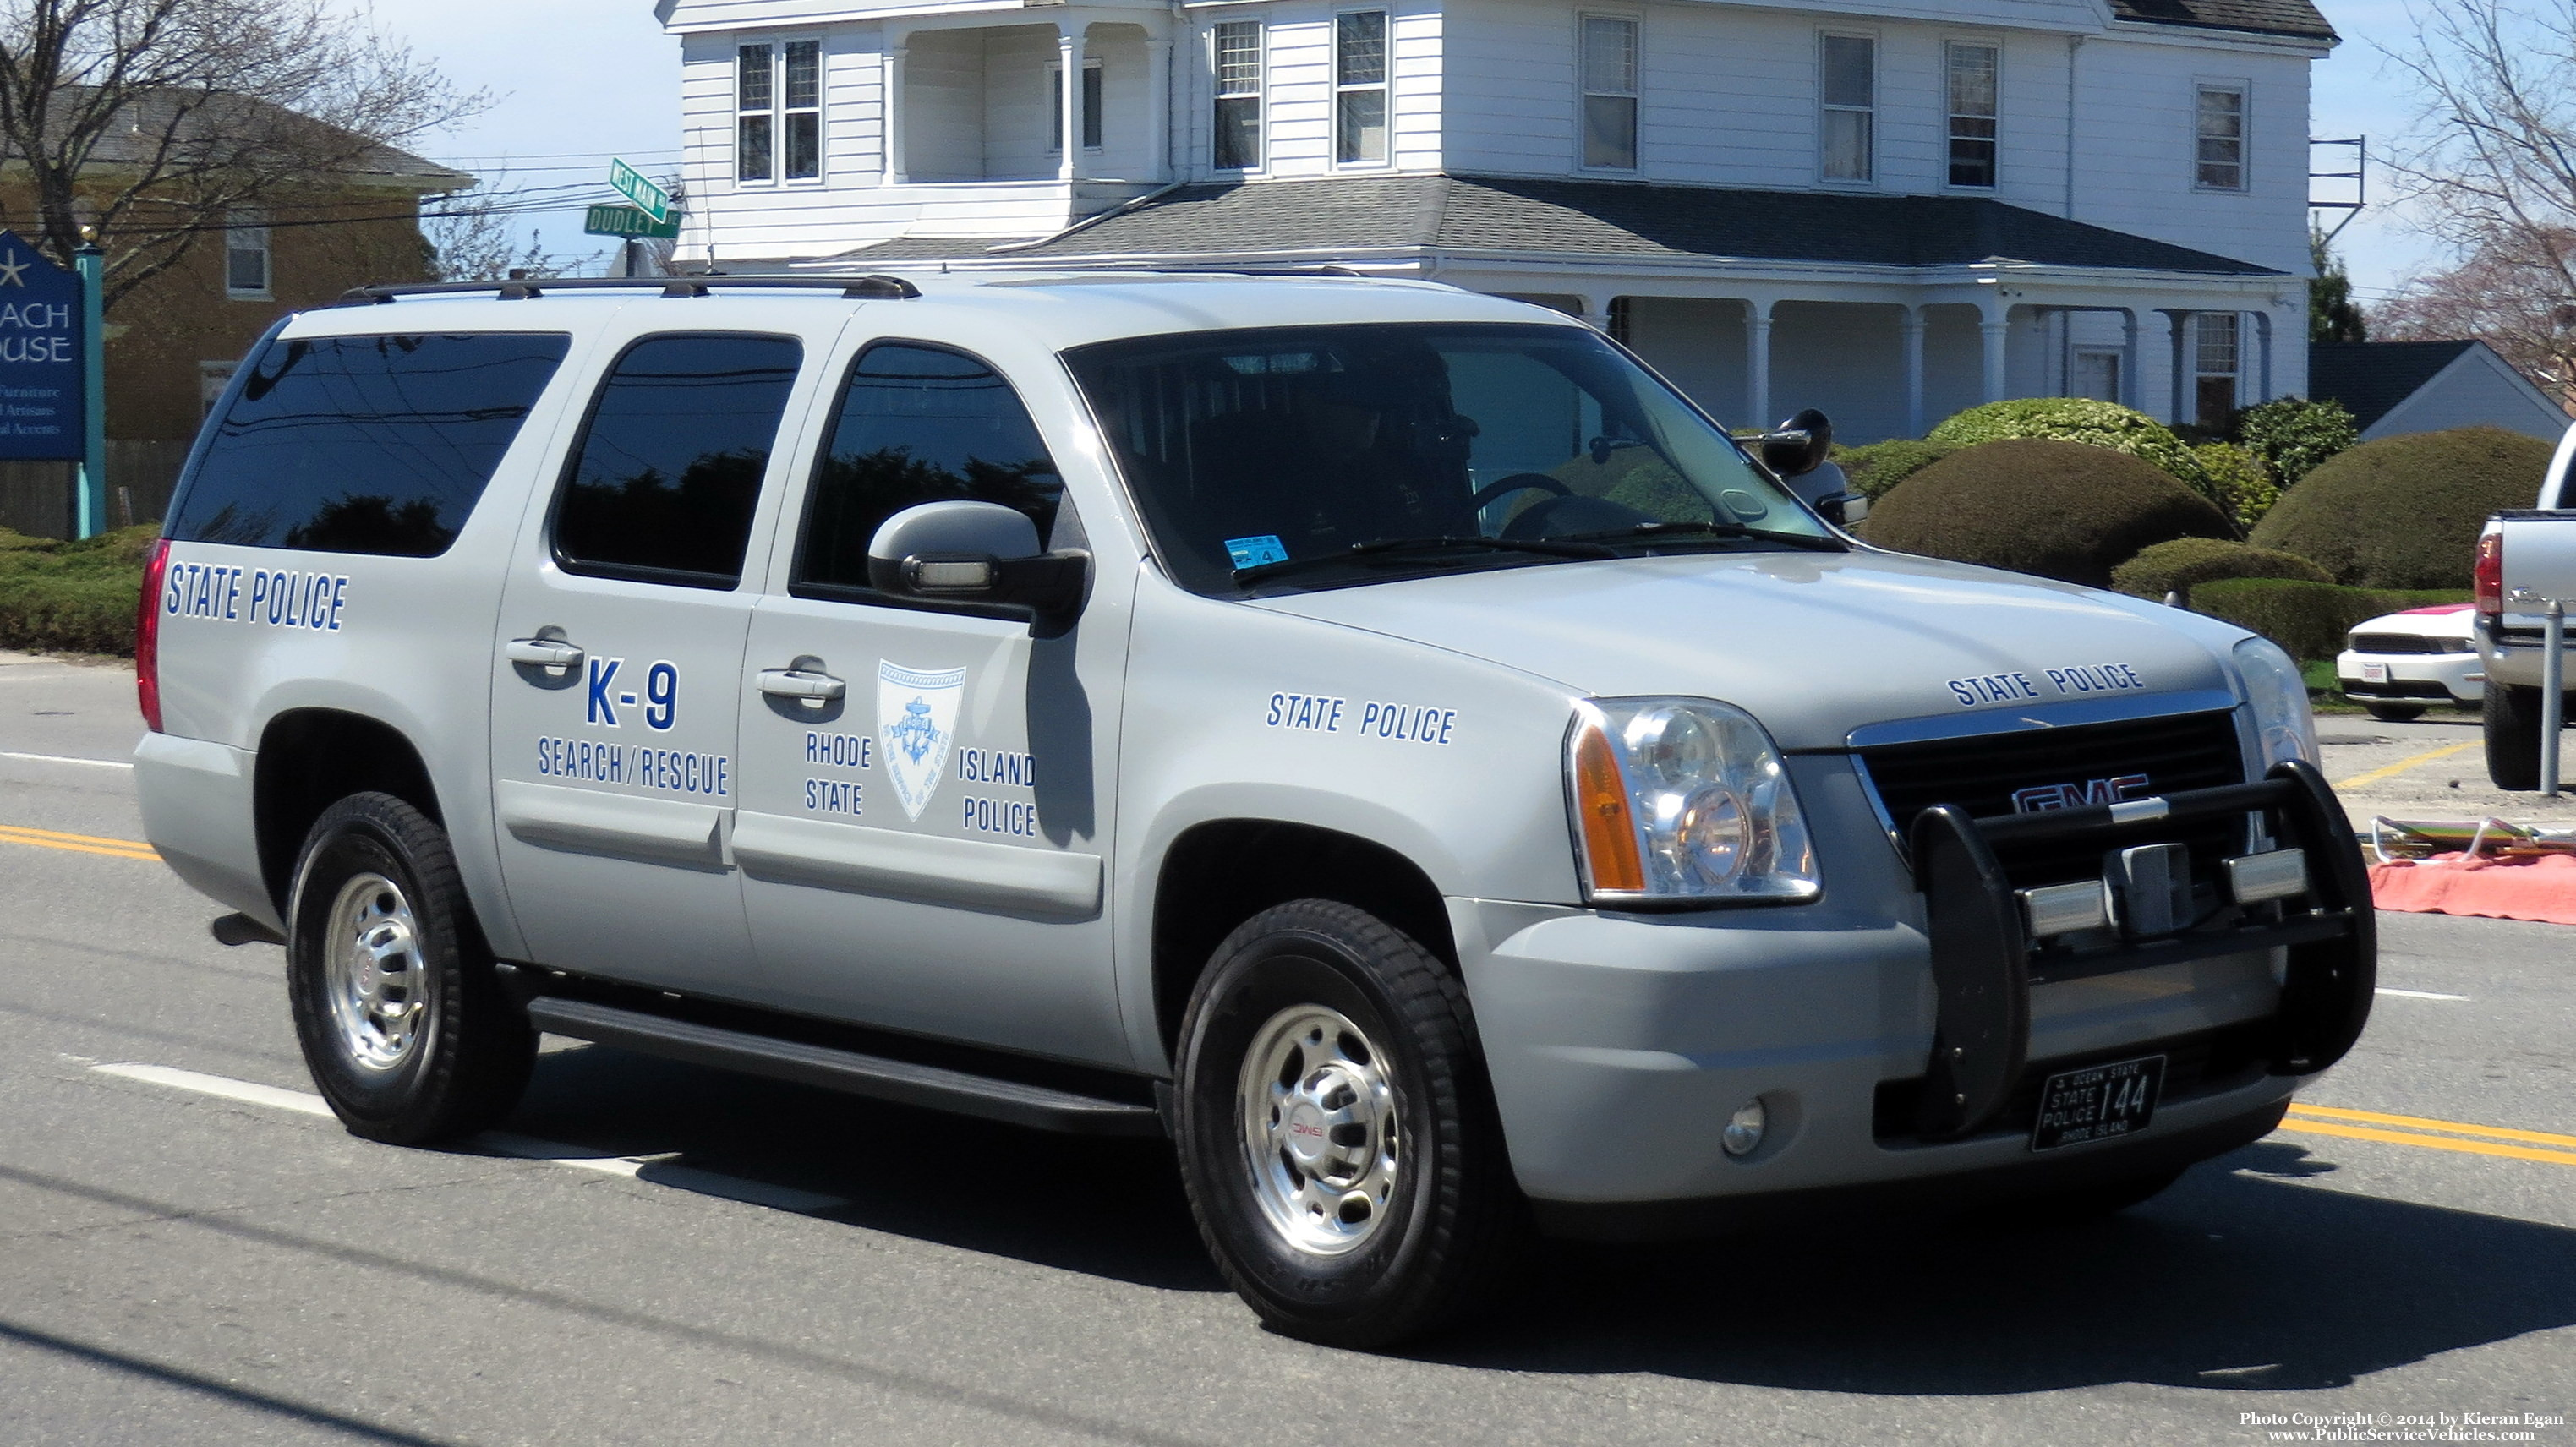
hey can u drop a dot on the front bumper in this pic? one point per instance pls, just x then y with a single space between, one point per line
1620 1044
2408 678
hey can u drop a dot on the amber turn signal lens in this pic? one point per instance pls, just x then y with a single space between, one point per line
1601 798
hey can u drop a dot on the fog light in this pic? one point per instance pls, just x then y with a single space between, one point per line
2280 874
1744 1129
2063 909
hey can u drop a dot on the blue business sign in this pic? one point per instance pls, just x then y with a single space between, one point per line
40 356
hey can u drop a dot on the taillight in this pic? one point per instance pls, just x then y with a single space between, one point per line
147 635
2487 580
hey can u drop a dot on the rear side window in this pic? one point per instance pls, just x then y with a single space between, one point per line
364 444
919 424
663 485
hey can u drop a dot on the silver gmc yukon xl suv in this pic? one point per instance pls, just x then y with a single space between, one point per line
1382 737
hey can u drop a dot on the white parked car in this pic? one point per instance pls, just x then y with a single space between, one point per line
2399 664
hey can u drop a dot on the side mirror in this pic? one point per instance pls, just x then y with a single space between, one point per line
1843 509
1797 446
958 551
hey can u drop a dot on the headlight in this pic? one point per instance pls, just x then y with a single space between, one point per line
1683 799
2279 696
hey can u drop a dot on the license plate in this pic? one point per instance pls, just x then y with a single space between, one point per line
2098 1102
2374 673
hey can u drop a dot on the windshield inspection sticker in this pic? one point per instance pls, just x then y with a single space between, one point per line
916 721
1253 552
2016 686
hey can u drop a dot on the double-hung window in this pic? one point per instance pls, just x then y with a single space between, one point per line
1972 114
2218 154
1848 124
246 256
770 118
1359 88
1609 93
2215 355
1237 122
1090 107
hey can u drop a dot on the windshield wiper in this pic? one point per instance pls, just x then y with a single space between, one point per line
1374 547
1642 531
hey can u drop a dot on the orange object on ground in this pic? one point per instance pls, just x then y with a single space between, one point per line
2542 889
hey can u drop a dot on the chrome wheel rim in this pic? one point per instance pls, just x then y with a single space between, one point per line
377 981
1319 1130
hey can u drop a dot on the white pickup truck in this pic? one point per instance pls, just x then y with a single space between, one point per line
2525 558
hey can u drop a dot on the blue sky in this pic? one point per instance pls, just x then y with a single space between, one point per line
579 80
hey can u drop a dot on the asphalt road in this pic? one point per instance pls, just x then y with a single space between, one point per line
657 1254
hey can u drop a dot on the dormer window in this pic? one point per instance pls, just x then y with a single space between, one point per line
1359 88
1848 126
1609 93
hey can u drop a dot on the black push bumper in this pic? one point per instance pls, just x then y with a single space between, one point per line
1984 961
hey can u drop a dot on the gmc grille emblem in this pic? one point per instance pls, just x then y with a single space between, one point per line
2041 797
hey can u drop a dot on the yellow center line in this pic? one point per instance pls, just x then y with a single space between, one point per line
2418 1122
77 843
2402 765
2302 1126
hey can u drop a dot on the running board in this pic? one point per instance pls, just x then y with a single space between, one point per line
904 1082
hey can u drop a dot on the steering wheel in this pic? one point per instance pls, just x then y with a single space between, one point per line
1517 482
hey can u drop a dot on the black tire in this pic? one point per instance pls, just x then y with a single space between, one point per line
2395 712
2511 714
1443 1232
407 1032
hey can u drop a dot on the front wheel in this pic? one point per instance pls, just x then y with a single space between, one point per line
400 1014
1337 1135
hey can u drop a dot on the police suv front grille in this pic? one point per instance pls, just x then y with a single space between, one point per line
1982 773
2205 1062
2409 643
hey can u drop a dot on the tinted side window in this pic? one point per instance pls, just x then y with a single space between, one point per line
916 425
663 485
364 444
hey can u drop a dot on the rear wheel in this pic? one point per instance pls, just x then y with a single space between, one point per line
1337 1136
2512 717
400 1014
2395 712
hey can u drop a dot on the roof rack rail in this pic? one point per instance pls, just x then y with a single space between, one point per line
872 287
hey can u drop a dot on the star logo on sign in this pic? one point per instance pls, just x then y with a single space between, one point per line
13 271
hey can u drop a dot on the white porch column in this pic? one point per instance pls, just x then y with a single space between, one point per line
2129 385
890 109
1069 58
2263 335
2180 323
1596 309
1994 322
1158 110
1913 331
1757 363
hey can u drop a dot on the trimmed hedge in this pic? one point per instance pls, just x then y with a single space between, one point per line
2059 509
2079 419
2294 435
75 597
2243 487
1876 469
2405 512
2308 619
2185 563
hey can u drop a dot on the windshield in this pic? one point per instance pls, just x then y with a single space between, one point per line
1349 454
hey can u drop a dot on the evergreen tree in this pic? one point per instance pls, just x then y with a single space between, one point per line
2332 316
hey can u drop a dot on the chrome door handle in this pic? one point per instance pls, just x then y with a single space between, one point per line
543 652
802 684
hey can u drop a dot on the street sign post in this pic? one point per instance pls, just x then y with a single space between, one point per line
628 182
629 222
44 370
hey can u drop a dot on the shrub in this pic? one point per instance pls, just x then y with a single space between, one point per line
2404 512
2293 435
2308 619
2185 563
76 597
1876 469
2078 419
2244 488
2059 509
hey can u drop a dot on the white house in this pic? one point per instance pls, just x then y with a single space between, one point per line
1887 208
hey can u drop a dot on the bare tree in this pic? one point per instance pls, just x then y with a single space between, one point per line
470 239
2492 165
148 120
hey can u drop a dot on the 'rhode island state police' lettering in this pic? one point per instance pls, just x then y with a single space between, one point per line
1016 817
834 796
992 766
840 751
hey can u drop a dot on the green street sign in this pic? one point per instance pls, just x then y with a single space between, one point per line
627 221
628 182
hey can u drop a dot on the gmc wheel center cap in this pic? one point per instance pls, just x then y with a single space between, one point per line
1305 1133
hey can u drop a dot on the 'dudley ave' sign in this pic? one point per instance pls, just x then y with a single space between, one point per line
40 356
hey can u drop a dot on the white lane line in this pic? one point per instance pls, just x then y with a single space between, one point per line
2418 994
554 1153
66 759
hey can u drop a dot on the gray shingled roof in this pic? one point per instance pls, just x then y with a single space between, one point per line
219 121
2371 378
1585 218
2266 17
